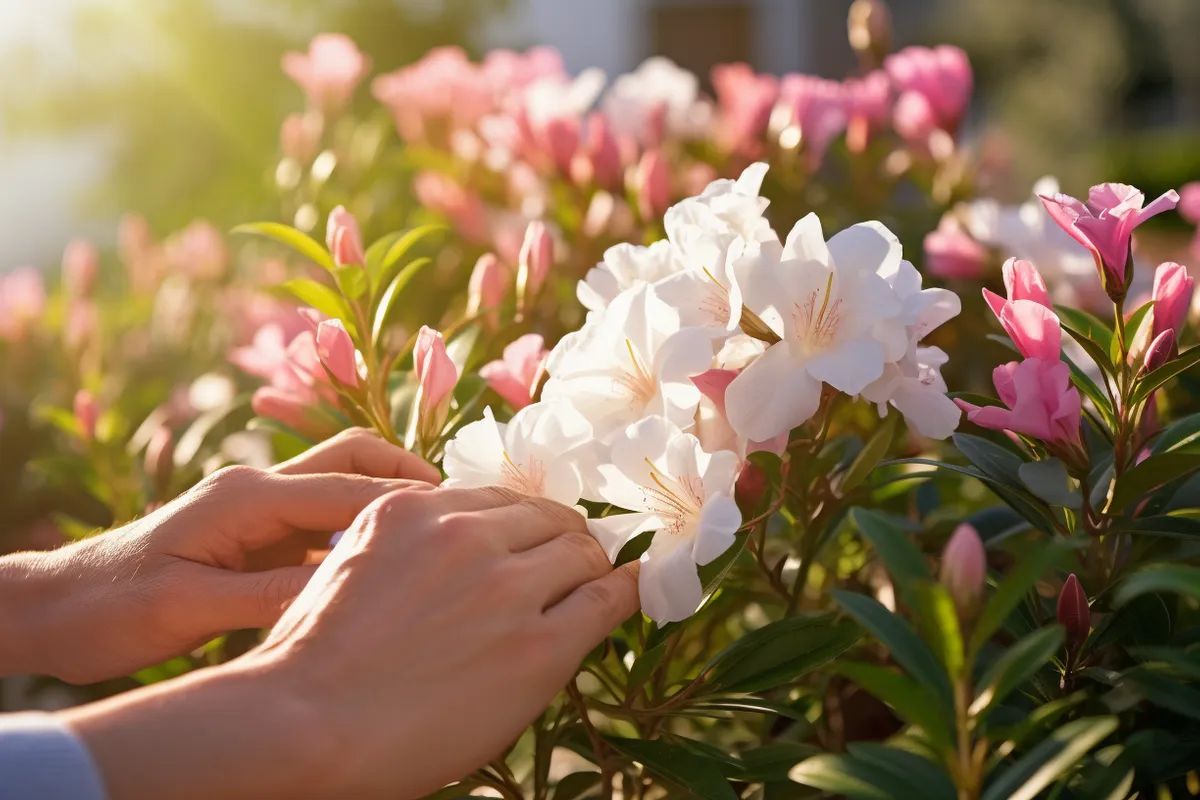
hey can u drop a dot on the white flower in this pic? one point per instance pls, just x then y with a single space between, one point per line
921 310
626 266
658 97
838 321
544 451
556 96
684 494
735 203
629 361
915 387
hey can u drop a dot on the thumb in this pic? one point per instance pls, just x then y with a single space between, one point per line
236 600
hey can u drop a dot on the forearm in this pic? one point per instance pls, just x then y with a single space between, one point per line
233 731
26 610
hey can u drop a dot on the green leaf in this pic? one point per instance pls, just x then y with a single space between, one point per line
1149 475
1132 326
1042 716
577 784
869 457
1013 589
1096 394
898 637
695 773
995 461
771 762
1081 323
1183 362
286 234
938 620
722 707
1183 433
1049 759
780 652
920 776
1017 665
387 303
1164 691
1049 480
1177 578
322 298
903 559
1180 662
350 280
386 269
915 703
845 775
644 667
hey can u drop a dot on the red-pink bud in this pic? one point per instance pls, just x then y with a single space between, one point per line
1073 613
343 238
537 257
652 185
80 267
87 411
1160 351
1172 296
964 569
436 376
336 351
951 254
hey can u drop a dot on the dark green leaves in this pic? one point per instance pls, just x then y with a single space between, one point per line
1017 665
1160 578
780 652
903 559
1049 480
874 772
869 457
1186 360
698 774
1014 588
913 702
1150 474
1049 759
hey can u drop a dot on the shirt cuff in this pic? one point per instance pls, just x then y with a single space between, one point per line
41 759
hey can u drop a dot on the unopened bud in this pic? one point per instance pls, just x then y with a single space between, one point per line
1160 351
1073 613
536 258
87 411
652 185
486 288
335 348
343 238
964 570
436 377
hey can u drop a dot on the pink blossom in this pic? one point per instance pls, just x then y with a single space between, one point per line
343 238
868 103
329 72
436 378
144 260
265 356
941 76
1161 350
87 411
816 108
1189 202
598 160
462 206
1073 613
745 99
652 185
713 385
80 267
1022 281
536 259
515 377
83 321
507 71
22 302
335 348
300 135
1041 402
914 118
292 411
1026 315
441 92
198 251
1105 225
964 570
1172 297
953 255
487 287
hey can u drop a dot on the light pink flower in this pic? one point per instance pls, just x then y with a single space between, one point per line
198 251
1022 281
515 377
436 377
1172 297
652 185
1189 202
22 302
343 238
745 99
487 287
914 118
442 92
300 135
329 72
291 410
462 206
83 321
941 76
87 411
1041 402
598 160
1161 350
537 256
713 385
951 254
80 267
868 102
1105 224
816 107
964 570
1026 315
335 348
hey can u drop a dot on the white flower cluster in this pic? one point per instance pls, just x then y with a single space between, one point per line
699 349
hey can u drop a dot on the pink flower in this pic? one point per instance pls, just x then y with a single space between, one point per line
652 185
1022 281
335 348
914 118
868 102
1041 402
329 72
1161 350
144 260
1026 315
940 76
1073 613
953 255
292 411
22 302
87 411
83 320
516 376
1189 202
1172 297
598 161
198 251
745 99
300 135
80 267
487 287
1105 225
343 238
441 92
816 108
436 378
462 206
536 259
964 570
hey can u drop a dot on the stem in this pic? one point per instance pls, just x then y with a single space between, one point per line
599 748
965 776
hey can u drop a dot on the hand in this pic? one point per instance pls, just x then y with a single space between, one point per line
440 626
229 554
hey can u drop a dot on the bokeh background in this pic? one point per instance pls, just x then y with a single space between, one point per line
171 107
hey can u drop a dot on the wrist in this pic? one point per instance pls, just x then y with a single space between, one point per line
30 594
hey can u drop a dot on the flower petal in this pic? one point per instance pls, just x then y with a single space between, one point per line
616 530
772 395
669 584
715 533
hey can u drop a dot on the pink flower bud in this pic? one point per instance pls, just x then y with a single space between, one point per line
652 185
516 376
436 376
86 413
336 351
487 287
159 461
598 161
537 256
292 410
964 569
938 80
83 320
300 135
953 255
1161 350
1024 282
80 267
343 238
1172 297
1073 613
330 70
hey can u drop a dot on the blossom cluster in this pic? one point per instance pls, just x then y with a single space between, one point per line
699 349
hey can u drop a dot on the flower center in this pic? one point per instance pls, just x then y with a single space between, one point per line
715 302
636 380
677 502
527 479
817 318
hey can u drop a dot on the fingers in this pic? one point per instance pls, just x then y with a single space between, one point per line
563 564
231 601
593 610
362 452
530 522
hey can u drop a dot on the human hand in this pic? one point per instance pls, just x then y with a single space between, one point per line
231 553
438 628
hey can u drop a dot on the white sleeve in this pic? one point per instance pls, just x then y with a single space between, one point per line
40 759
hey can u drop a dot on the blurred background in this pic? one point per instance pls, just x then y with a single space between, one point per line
172 107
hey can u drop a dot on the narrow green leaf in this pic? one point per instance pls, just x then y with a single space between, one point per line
1086 325
869 457
938 621
779 652
1184 663
1017 665
1177 578
577 784
915 703
644 666
903 559
322 298
286 234
724 706
1084 383
350 280
1149 475
771 762
1094 351
1049 480
1185 361
1132 326
387 303
1049 759
919 776
697 774
386 270
898 636
1183 433
1164 691
846 776
1013 589
1042 716
995 461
